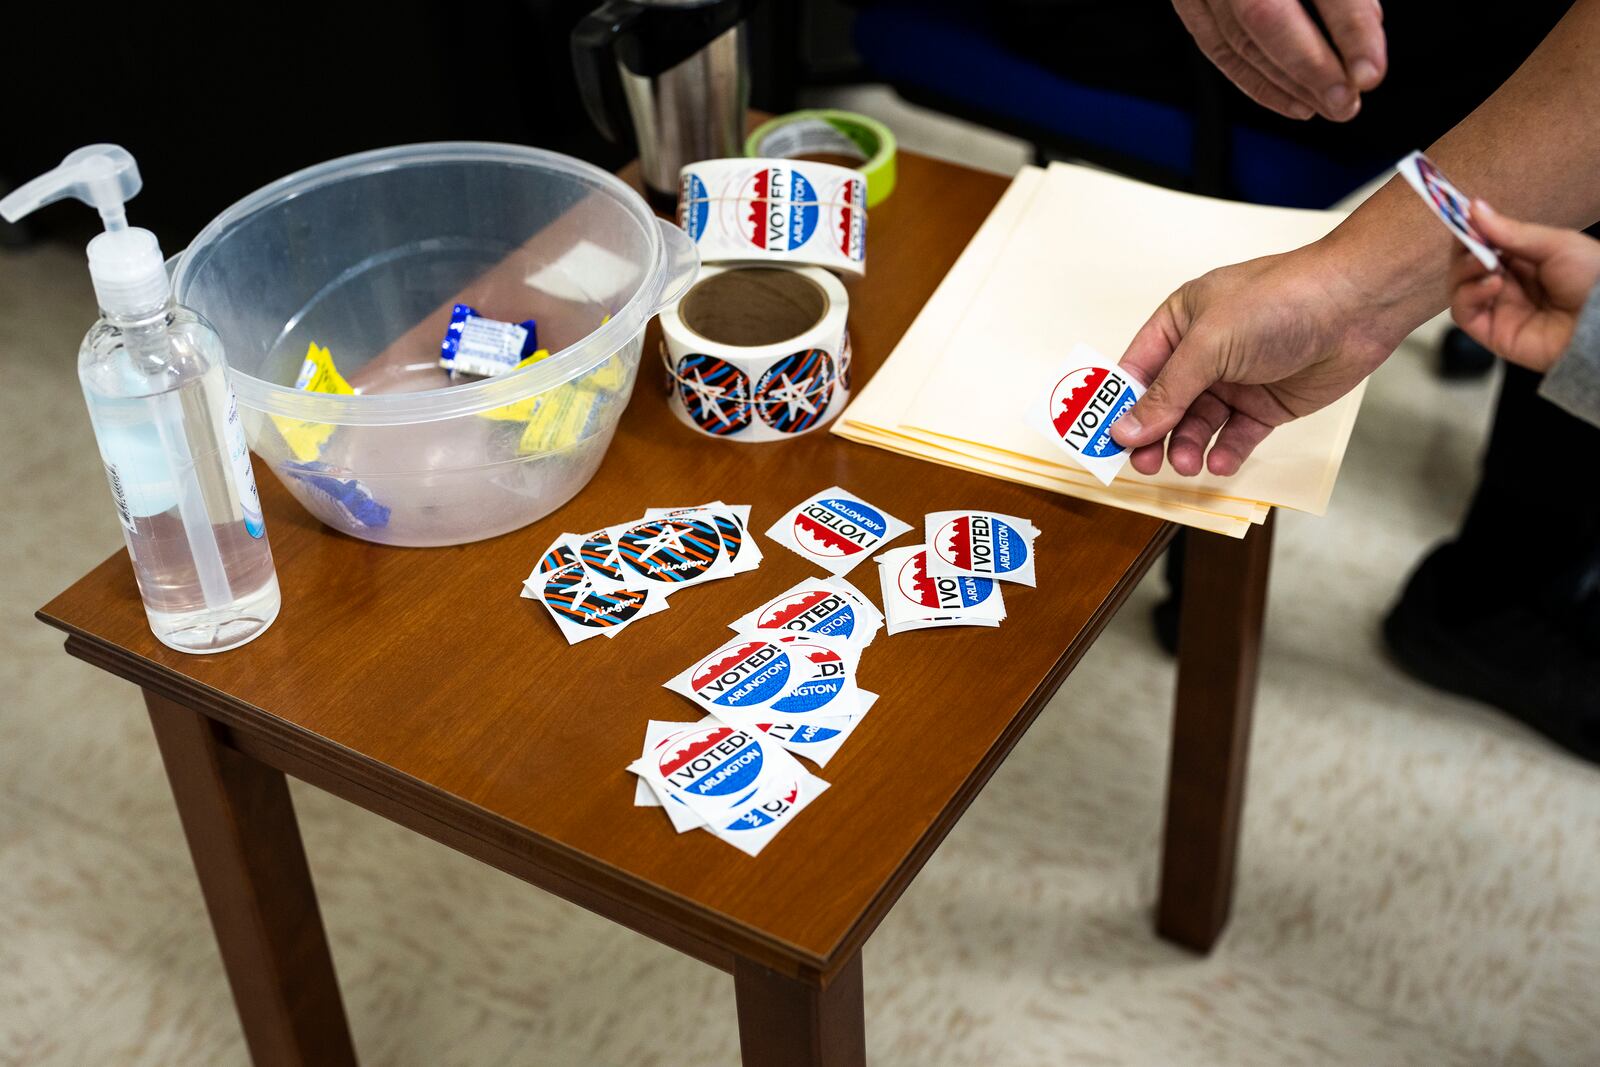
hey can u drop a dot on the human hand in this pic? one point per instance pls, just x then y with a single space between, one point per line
1246 348
1524 312
1274 52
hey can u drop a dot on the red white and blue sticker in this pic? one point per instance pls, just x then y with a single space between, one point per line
850 220
818 741
776 209
827 685
745 673
836 529
742 785
795 390
714 392
1083 401
831 607
913 599
980 544
1451 205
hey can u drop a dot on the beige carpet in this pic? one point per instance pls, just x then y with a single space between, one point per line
1418 882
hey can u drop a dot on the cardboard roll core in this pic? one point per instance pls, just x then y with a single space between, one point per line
752 306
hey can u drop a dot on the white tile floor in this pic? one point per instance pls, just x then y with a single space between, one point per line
1419 884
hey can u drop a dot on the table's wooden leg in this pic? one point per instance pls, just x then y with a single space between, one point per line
1219 650
785 1022
246 846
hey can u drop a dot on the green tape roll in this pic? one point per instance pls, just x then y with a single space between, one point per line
829 132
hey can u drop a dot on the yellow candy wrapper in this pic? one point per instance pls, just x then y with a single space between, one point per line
518 410
317 375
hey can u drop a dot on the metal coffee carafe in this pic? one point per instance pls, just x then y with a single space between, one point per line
681 71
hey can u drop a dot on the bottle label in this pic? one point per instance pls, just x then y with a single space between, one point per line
244 475
119 493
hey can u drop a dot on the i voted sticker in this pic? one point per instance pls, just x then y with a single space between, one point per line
830 607
915 599
1083 402
714 761
980 544
836 529
828 682
940 595
774 209
741 674
850 220
742 785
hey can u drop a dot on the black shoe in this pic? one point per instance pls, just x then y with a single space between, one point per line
1529 662
1462 358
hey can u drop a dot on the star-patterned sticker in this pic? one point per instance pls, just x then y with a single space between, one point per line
669 536
709 397
797 395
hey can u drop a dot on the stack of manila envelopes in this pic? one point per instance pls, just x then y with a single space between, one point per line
1074 255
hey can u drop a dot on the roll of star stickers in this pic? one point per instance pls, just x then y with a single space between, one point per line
772 391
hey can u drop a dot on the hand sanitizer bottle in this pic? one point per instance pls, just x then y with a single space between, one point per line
167 424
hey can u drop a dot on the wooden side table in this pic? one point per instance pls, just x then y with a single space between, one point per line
511 747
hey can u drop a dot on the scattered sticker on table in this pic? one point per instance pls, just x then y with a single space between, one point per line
836 529
980 544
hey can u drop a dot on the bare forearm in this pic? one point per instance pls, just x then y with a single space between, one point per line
1532 149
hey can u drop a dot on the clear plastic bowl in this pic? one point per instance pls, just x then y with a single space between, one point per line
365 256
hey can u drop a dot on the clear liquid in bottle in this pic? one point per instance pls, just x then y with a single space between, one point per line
179 470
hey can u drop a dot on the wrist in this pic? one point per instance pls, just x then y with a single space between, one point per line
1386 266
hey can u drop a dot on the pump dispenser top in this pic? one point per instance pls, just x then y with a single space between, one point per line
125 263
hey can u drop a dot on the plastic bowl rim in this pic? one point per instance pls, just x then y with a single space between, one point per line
454 401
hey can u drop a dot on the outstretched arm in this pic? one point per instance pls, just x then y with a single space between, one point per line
1248 347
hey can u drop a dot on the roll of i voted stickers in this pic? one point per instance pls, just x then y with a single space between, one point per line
836 530
914 599
1451 205
980 544
775 210
757 353
831 607
1078 405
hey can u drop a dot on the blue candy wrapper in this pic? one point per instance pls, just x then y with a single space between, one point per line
349 496
477 345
